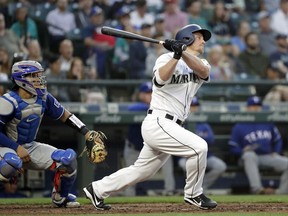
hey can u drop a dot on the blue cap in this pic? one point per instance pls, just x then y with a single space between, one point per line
281 36
145 87
254 101
95 11
123 11
195 101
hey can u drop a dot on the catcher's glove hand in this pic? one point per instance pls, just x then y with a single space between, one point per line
95 147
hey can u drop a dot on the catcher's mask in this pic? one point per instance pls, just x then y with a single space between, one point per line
29 76
185 34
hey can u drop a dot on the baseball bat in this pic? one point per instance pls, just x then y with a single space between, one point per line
129 35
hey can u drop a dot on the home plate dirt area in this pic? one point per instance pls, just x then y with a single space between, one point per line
141 208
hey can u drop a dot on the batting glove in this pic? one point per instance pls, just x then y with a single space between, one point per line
168 44
177 47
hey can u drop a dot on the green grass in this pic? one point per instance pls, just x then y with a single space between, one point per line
245 199
161 199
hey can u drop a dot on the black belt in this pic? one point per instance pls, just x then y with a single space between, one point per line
168 116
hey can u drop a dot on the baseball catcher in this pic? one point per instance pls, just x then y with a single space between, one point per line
21 113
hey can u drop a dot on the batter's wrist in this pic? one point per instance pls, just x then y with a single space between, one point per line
177 55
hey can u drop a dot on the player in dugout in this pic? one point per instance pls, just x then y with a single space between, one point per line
259 144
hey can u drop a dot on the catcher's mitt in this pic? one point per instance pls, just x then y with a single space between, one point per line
95 147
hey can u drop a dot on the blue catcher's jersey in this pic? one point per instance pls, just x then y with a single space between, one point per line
20 119
134 130
264 138
205 131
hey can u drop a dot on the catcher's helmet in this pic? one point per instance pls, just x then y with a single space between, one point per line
185 34
29 76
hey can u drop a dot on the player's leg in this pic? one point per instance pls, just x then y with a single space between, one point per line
168 175
170 138
280 164
10 164
64 163
251 167
65 176
147 164
215 167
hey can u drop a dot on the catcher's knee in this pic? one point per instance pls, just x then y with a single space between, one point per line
9 165
67 158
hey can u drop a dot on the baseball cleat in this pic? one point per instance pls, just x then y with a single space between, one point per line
201 201
97 202
266 191
66 202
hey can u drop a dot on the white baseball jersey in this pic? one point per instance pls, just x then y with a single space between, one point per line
170 97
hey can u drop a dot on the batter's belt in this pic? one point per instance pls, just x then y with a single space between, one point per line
166 115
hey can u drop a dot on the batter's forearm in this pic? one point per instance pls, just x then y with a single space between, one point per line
166 71
196 64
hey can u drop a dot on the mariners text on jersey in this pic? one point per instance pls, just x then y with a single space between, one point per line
184 78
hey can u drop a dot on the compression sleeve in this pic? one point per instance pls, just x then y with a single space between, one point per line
75 123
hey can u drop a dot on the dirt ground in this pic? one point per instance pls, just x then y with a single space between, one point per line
142 208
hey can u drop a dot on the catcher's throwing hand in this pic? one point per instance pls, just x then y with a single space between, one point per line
95 146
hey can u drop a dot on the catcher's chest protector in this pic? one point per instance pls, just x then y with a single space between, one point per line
28 115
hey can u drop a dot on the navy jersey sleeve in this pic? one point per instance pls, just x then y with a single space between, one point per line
235 141
87 32
205 131
53 108
134 130
277 140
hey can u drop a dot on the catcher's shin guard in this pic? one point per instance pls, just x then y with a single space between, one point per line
60 194
63 182
10 163
66 171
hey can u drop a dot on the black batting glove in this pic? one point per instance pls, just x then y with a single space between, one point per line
177 47
168 44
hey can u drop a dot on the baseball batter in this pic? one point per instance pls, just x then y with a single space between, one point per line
21 113
177 77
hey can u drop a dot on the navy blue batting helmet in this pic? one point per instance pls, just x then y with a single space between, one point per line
185 34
